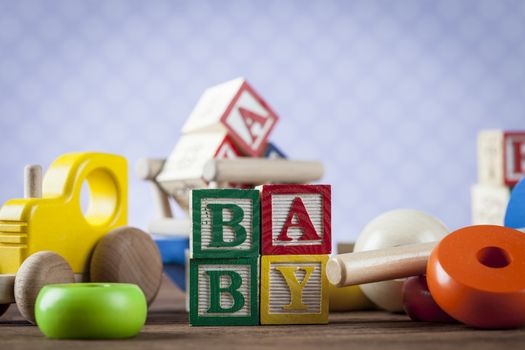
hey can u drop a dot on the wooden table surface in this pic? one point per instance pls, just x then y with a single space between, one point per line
167 328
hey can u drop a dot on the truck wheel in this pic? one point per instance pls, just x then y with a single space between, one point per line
128 255
38 270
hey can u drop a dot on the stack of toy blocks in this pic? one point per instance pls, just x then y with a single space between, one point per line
501 164
230 120
290 225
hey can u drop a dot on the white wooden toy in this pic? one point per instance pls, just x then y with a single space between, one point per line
396 228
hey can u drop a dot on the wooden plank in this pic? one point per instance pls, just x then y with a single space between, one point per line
167 325
294 289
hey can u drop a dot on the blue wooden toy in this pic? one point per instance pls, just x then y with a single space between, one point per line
515 213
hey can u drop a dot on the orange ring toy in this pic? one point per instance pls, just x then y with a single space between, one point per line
477 275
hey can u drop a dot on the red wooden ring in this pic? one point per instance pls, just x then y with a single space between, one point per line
477 275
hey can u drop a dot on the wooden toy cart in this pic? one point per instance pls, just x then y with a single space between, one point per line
47 238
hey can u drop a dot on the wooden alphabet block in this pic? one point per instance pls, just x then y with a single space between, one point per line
294 289
225 223
501 157
235 107
224 292
296 219
489 203
273 152
184 168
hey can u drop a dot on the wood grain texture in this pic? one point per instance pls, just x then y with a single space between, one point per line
279 217
235 107
489 203
224 292
38 270
187 160
7 288
256 171
128 255
33 181
167 327
390 229
245 202
501 157
379 265
294 289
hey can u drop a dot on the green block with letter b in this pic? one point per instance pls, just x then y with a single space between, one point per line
225 223
224 292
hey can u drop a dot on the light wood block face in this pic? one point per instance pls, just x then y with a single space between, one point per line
225 223
224 292
294 289
296 219
234 106
501 157
185 165
489 203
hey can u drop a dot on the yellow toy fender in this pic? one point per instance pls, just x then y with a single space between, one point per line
56 222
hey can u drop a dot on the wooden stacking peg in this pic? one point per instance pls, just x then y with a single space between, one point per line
148 169
379 265
475 274
258 171
33 181
396 228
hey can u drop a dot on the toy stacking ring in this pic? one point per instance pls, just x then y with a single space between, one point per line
476 275
90 310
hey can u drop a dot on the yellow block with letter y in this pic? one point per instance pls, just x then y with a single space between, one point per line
294 289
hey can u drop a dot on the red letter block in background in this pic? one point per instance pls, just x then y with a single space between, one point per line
234 107
296 219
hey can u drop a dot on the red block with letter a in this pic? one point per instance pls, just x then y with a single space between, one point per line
235 107
296 219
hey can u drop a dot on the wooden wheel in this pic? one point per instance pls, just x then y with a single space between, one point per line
38 270
128 255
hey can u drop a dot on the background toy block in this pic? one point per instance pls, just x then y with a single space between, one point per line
294 289
184 168
296 219
515 212
273 152
501 157
234 106
489 203
224 292
239 215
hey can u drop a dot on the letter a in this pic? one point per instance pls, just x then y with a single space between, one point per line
296 288
303 221
218 223
216 290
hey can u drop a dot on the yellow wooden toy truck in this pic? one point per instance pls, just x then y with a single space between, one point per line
47 238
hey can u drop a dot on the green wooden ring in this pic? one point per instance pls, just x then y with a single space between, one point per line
91 310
